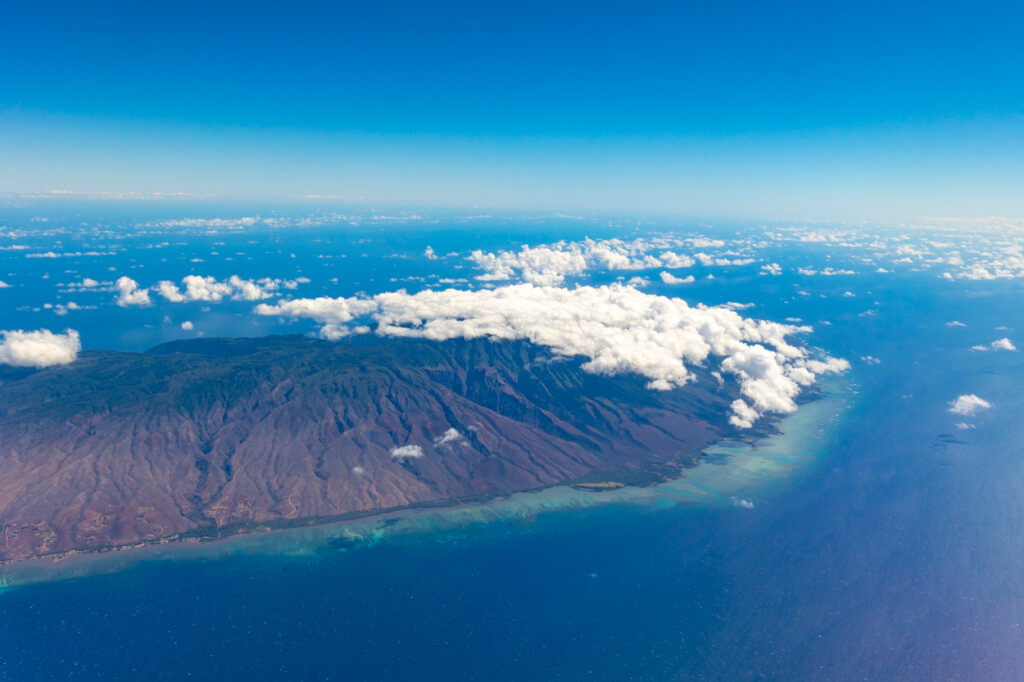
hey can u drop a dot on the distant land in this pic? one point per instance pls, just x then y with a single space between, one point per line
216 437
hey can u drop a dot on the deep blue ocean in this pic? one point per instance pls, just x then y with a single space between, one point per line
898 555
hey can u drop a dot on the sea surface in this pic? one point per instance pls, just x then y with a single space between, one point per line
889 546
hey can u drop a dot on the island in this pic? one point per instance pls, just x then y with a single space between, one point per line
215 437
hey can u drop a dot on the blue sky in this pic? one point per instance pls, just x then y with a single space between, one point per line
802 110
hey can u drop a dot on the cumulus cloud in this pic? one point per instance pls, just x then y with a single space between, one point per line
1008 263
999 344
211 290
1002 344
969 404
169 291
129 293
332 313
706 259
618 329
669 278
550 264
406 452
704 242
41 348
187 325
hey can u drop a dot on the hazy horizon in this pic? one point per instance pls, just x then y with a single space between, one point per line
802 113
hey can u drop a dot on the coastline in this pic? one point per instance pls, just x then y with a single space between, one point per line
726 473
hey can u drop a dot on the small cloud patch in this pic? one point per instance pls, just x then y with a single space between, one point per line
407 452
968 405
999 344
450 436
669 278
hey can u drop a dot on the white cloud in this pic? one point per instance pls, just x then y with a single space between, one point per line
550 264
129 292
69 254
771 269
671 259
669 278
827 272
187 325
41 348
706 260
4 285
955 323
230 223
618 329
63 308
1008 264
429 254
743 415
407 452
211 290
1002 344
705 243
968 404
449 436
333 313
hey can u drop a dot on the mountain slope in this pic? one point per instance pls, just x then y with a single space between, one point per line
205 436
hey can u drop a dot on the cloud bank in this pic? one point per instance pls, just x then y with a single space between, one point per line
549 265
211 290
619 329
41 348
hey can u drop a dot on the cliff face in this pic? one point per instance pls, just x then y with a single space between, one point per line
194 436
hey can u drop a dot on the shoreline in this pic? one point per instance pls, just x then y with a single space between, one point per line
726 470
